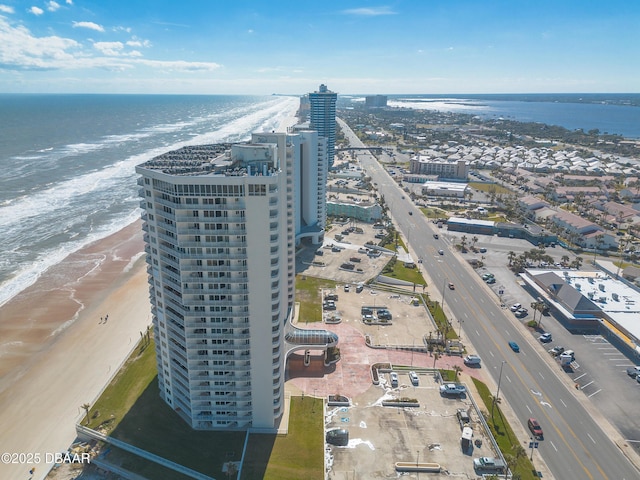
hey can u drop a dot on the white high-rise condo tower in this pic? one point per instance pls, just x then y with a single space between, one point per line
219 226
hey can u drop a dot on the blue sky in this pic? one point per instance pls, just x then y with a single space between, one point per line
283 46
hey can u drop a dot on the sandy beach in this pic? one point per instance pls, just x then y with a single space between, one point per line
58 349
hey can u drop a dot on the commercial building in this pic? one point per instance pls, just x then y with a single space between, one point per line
322 117
219 225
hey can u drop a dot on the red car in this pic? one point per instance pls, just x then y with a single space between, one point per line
535 428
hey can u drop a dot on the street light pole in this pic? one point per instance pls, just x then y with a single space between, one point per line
497 397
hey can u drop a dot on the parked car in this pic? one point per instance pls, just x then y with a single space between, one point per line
514 346
472 361
453 389
413 376
633 372
394 379
515 307
451 286
523 312
491 280
557 350
346 288
441 252
482 250
535 428
545 337
489 465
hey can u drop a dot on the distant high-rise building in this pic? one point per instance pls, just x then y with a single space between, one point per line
375 101
220 225
322 117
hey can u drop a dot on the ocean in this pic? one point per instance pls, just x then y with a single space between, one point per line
617 114
67 164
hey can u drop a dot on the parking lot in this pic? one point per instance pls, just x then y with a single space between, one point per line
380 436
599 367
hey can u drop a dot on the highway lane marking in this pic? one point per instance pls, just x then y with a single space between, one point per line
546 404
541 376
565 405
477 333
507 377
568 430
591 438
598 391
466 316
528 408
491 353
554 446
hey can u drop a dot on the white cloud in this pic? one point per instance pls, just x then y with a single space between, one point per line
21 50
36 10
6 9
135 42
369 11
112 49
89 25
53 6
180 65
69 2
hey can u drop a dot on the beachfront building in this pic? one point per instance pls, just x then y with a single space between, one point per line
310 168
219 228
322 117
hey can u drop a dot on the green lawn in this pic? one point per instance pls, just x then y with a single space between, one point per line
502 432
131 410
308 294
296 455
396 269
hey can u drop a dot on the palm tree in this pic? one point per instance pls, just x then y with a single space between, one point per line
511 256
565 259
474 240
463 242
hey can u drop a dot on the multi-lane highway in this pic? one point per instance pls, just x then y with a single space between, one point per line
575 445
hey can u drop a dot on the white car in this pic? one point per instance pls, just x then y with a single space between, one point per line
515 307
394 379
545 337
452 389
413 376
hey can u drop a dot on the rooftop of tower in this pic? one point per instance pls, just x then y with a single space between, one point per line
214 159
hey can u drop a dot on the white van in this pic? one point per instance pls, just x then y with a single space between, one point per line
472 360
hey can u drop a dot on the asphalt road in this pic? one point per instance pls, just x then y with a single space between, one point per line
575 445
